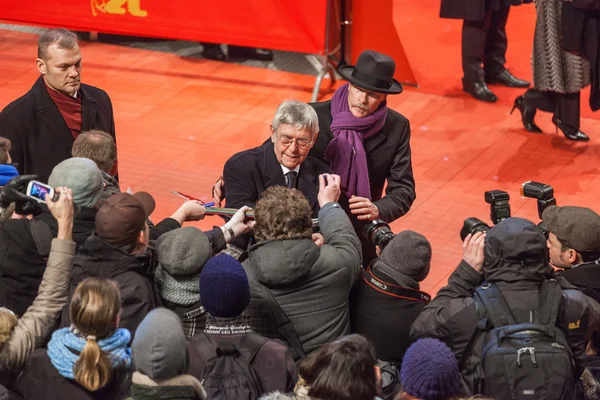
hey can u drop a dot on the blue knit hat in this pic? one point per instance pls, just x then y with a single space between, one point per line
224 288
430 371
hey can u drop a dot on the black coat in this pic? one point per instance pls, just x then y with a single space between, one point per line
388 159
38 132
382 318
473 10
23 260
580 33
133 273
249 173
22 263
40 380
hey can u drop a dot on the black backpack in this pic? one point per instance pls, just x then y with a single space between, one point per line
228 373
530 360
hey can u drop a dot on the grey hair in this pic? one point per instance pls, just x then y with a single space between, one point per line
63 38
298 114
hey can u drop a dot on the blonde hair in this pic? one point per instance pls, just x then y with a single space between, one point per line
8 321
94 310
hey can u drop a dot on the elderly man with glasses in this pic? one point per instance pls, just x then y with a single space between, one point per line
282 161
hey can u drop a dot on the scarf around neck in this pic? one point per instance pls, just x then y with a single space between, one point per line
65 346
345 151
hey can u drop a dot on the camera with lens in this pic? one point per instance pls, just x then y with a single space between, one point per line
499 211
378 233
500 207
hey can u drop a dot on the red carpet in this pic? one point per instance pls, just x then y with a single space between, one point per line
179 119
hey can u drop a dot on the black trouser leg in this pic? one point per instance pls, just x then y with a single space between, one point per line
568 109
496 42
565 107
473 48
545 101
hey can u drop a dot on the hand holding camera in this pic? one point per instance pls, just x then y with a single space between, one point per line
63 210
16 191
473 250
329 189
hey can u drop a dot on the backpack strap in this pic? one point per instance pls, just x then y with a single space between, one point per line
495 305
549 303
249 346
284 325
42 236
205 347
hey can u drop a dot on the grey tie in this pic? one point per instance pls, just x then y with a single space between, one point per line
291 179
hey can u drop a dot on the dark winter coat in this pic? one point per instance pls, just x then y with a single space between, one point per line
382 318
473 10
38 132
41 381
133 273
580 34
311 284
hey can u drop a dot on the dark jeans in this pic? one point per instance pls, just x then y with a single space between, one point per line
484 42
565 107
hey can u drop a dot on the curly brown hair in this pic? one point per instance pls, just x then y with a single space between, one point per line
282 214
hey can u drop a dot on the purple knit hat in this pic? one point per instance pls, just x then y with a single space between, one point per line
430 371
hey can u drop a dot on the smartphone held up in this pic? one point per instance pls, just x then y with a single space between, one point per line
38 191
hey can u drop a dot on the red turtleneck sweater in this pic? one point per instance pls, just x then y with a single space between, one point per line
70 109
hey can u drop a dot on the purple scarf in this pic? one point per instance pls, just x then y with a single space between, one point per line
345 151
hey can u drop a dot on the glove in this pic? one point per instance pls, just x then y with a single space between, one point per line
14 192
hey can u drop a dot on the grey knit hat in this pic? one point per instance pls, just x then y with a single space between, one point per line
82 176
181 255
409 253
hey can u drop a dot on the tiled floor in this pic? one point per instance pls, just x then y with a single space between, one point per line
179 119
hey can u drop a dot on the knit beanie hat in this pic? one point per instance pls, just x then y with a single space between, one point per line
224 288
82 176
430 371
181 255
409 253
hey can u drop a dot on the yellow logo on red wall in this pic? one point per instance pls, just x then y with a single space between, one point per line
118 7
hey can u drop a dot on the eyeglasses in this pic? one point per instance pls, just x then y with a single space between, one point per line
301 143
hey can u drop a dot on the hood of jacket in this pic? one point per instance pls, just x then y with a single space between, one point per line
159 349
516 250
280 263
98 258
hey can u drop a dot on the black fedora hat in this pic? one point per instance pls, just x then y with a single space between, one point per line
373 71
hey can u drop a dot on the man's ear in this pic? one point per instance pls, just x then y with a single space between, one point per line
142 238
572 256
314 139
41 65
115 169
272 134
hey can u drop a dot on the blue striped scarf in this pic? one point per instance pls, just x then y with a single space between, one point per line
65 346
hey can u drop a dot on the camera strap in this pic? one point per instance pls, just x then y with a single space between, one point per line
394 290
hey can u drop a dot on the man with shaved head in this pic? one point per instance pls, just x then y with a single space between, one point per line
43 123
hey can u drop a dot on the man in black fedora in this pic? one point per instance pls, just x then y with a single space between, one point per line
483 43
366 144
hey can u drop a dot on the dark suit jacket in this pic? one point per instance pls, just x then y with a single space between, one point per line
249 173
388 158
38 132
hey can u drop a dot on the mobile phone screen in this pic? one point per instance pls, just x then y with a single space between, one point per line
39 191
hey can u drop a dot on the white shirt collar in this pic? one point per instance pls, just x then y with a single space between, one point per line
286 170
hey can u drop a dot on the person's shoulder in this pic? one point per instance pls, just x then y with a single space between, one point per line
321 106
95 92
246 156
22 104
395 117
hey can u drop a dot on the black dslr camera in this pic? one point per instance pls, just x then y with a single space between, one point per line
500 207
378 233
499 211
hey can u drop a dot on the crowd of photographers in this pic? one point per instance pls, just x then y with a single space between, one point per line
98 301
